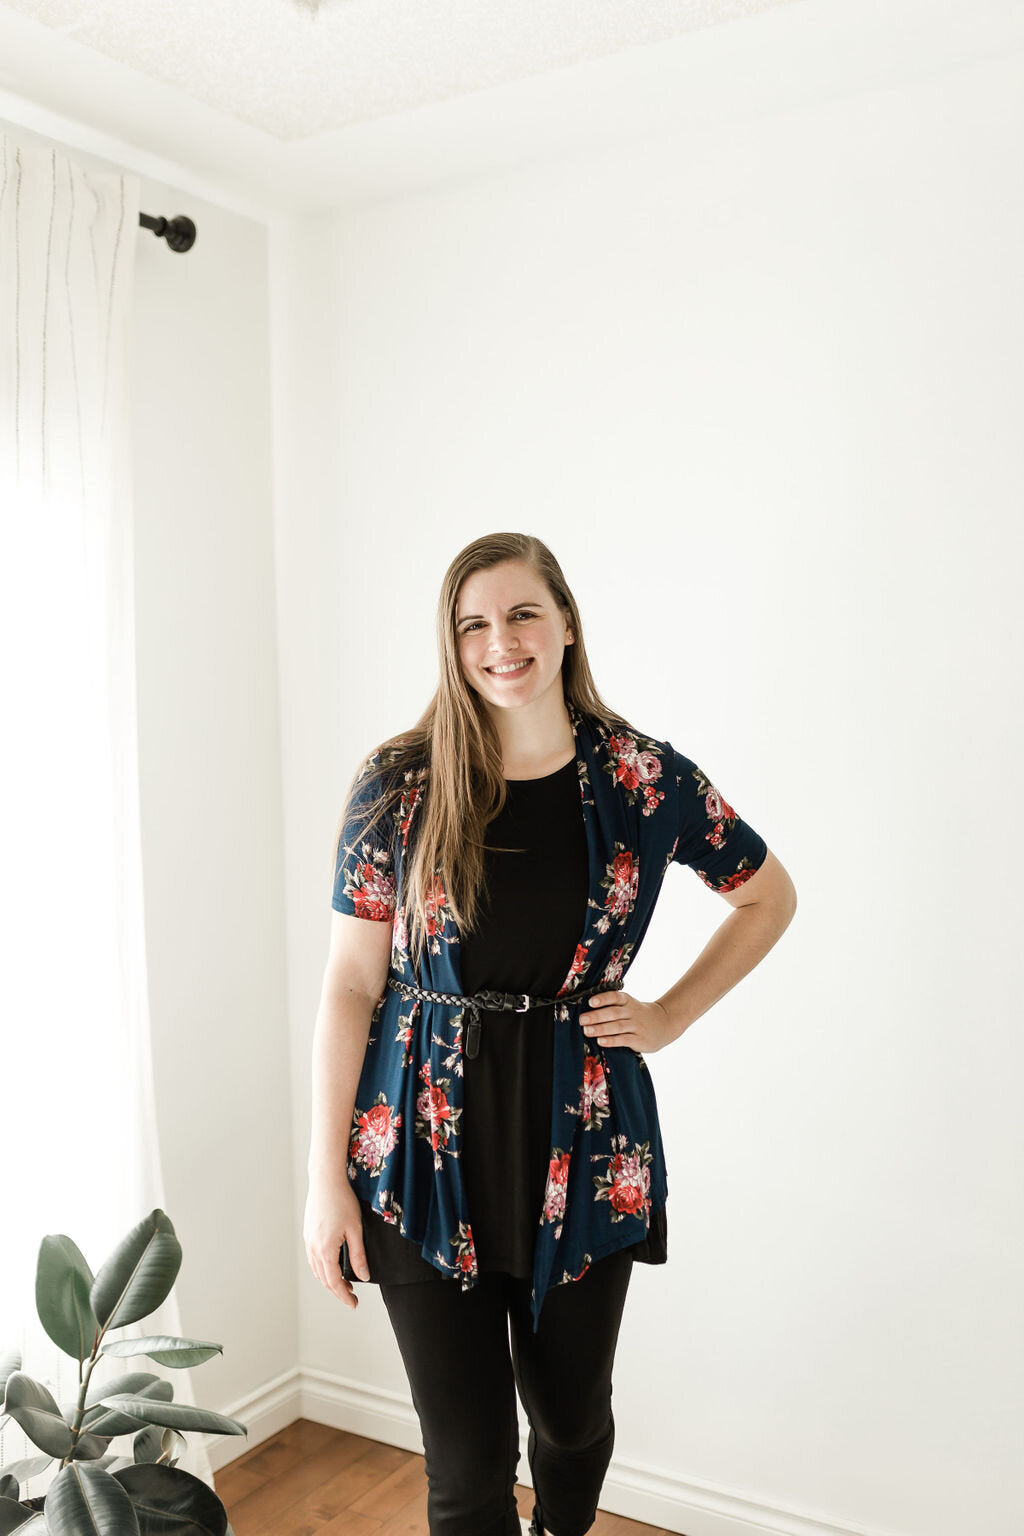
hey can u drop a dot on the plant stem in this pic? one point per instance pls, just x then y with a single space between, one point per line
83 1391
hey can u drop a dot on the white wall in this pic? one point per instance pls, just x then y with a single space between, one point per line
761 397
211 789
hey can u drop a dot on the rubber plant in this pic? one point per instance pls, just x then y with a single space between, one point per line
141 1492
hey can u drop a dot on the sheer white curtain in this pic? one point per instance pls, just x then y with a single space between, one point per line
79 1133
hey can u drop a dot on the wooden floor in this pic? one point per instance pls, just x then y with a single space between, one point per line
310 1480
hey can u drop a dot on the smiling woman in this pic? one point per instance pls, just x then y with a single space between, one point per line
483 1112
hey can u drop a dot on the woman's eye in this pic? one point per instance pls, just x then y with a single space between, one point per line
522 613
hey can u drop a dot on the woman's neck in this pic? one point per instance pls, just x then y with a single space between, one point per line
535 740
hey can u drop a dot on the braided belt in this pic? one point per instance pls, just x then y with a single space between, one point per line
495 1002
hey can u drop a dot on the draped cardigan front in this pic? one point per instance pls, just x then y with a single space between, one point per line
644 805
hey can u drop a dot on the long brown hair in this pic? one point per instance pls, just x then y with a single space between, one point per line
454 753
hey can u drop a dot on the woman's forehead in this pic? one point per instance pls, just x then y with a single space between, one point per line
506 584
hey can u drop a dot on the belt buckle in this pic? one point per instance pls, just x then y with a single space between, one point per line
526 1002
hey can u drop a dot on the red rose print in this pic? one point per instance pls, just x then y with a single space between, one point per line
436 1119
730 882
558 1180
627 1184
633 768
372 889
375 1135
579 964
593 1107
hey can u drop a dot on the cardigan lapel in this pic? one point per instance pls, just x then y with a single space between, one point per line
612 834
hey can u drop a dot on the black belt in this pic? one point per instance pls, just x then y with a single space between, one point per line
495 1002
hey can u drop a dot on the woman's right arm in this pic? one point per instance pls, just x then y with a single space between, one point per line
354 978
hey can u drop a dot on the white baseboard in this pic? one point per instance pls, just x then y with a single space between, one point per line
271 1407
631 1488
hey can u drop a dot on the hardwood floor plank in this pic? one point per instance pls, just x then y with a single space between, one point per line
271 1458
391 1495
307 1436
233 1482
263 1509
355 1488
312 1480
358 1525
348 1524
411 1518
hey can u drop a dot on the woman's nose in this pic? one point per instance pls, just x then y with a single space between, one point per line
502 640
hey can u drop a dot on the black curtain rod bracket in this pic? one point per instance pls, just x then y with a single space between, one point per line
180 232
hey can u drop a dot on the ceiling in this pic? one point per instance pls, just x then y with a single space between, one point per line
298 68
310 105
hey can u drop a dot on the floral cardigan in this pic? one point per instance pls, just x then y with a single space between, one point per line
644 805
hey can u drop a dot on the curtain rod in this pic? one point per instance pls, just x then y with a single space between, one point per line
179 232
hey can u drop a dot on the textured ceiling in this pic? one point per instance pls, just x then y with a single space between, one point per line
299 68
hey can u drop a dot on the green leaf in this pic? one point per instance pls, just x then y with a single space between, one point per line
31 1406
147 1445
10 1360
164 1349
31 1466
104 1421
177 1415
90 1447
63 1282
139 1274
9 1486
169 1500
172 1444
131 1381
85 1501
153 1442
13 1515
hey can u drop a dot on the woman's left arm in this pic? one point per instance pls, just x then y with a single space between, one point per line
764 905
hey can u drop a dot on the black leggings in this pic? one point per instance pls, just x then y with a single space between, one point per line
455 1347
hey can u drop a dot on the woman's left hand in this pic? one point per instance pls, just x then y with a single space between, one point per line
617 1019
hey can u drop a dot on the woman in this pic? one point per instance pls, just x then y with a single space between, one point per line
482 1110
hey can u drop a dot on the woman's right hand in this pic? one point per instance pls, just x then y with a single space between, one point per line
333 1217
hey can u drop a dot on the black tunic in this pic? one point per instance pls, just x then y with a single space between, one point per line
533 912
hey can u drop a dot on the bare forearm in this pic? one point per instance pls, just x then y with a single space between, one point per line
339 1047
735 947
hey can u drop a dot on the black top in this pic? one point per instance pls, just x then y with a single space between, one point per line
533 912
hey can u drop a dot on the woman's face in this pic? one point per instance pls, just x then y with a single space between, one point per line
504 617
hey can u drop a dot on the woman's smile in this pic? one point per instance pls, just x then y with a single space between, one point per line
509 668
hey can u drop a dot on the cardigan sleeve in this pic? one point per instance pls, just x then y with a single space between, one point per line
364 869
714 841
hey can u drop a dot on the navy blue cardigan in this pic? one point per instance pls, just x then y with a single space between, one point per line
645 805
